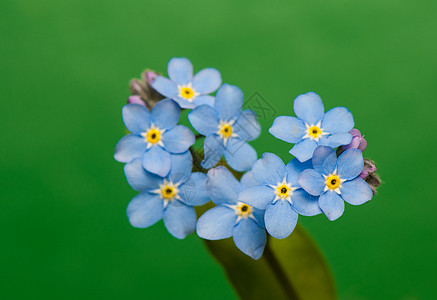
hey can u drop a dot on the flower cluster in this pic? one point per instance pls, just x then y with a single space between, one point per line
328 168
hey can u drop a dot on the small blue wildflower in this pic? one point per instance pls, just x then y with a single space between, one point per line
171 198
227 129
313 127
336 179
230 217
279 193
186 90
155 136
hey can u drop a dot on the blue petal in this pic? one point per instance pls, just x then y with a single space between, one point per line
178 139
239 155
324 160
356 192
181 165
305 204
157 161
288 129
280 219
165 87
180 70
179 219
204 119
247 126
309 108
228 101
331 204
294 168
269 169
249 238
338 120
350 164
222 186
129 147
259 196
248 180
336 139
258 214
312 182
136 118
138 178
144 210
213 149
303 150
217 223
207 81
184 103
193 192
204 100
165 114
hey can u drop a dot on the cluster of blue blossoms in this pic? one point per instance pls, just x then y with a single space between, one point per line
270 195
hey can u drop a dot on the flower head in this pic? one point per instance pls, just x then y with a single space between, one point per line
336 179
154 136
278 192
227 129
313 127
231 217
186 90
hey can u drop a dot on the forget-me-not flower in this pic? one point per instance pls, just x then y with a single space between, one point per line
279 193
186 90
171 198
336 179
227 129
154 136
231 217
313 127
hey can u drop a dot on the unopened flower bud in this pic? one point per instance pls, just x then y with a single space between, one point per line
142 88
358 141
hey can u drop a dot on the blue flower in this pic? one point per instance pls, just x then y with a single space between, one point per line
230 217
313 127
186 90
155 136
336 179
171 198
279 193
227 129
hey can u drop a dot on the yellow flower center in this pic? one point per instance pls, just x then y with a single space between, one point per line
243 210
226 130
153 136
187 92
168 192
283 191
333 181
314 131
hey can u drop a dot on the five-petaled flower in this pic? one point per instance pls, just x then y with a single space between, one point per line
313 127
279 193
154 136
231 217
171 198
186 90
336 179
227 129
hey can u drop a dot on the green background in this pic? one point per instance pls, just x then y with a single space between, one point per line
64 73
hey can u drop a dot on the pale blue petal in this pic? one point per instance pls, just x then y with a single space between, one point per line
331 204
178 139
165 87
288 129
239 155
309 108
350 164
305 204
180 70
259 196
269 169
356 192
136 118
222 186
228 101
193 191
247 126
204 119
324 160
312 182
157 161
336 139
204 100
338 120
217 223
207 81
303 150
213 149
249 238
258 214
184 103
129 147
179 219
280 219
294 169
248 180
165 114
181 165
144 210
138 178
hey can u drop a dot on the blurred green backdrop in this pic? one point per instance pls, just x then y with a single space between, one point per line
65 68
